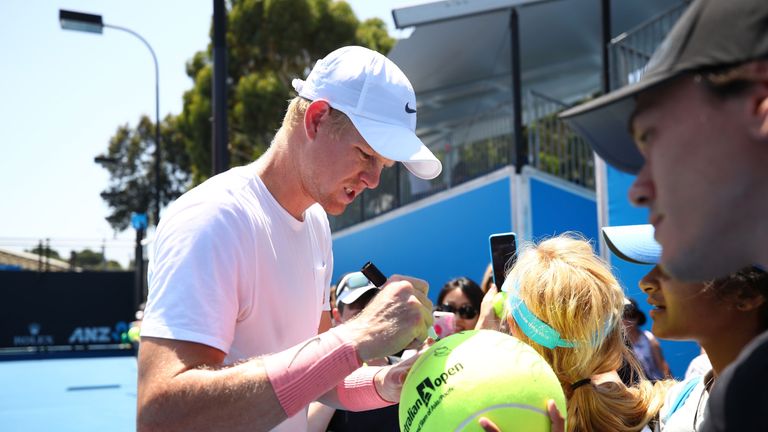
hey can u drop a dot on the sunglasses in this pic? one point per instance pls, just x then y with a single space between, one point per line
465 312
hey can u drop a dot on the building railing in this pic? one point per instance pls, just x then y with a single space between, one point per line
629 52
477 147
553 147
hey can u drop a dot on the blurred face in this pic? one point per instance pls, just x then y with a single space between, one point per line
685 311
337 165
348 313
700 178
460 305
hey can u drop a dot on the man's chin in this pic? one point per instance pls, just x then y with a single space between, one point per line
697 266
334 209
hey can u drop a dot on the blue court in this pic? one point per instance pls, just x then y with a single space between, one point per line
76 394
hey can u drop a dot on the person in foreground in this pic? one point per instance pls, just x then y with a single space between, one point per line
698 142
242 264
564 302
723 315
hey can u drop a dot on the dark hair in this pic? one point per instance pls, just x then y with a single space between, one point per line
633 313
747 283
467 286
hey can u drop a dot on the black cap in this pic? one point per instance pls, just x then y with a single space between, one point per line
710 33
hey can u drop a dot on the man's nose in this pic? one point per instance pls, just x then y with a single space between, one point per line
642 193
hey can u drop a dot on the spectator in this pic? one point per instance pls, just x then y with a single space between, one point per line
723 315
700 117
699 366
462 296
564 302
645 346
352 294
242 263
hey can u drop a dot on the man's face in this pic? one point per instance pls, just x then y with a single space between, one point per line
700 178
339 165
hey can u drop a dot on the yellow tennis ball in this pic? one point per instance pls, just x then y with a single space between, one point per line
498 303
479 373
134 334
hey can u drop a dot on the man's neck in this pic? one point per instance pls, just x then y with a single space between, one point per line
277 169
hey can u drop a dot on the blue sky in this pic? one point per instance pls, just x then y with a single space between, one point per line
64 94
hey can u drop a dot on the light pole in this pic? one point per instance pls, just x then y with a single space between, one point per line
90 23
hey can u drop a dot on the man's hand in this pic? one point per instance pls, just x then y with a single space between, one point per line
389 380
488 319
396 318
558 422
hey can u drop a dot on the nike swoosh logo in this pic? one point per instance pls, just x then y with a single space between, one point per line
409 110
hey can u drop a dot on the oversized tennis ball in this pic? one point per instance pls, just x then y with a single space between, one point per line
479 373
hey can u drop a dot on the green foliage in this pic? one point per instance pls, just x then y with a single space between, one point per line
86 259
561 152
44 251
91 260
269 43
372 33
131 165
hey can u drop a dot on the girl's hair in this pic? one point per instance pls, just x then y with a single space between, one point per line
566 286
467 286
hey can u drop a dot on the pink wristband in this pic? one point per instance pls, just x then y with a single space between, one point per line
305 372
358 391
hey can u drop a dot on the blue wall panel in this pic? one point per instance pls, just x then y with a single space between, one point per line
621 212
444 240
555 210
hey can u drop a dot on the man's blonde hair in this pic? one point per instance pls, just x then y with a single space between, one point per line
294 117
564 284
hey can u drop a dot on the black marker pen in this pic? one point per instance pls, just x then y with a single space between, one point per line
374 274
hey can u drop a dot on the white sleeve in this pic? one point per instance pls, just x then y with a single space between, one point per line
196 276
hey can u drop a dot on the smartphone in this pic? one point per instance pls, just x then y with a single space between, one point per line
503 248
443 324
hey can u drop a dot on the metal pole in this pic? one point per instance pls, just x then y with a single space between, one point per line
158 154
139 268
219 150
605 12
517 96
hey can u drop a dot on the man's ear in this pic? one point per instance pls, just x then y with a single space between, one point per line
746 304
336 316
762 112
758 72
316 112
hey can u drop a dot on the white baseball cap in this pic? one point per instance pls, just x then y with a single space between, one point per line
377 96
633 243
351 287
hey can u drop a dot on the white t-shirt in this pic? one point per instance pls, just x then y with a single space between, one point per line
690 410
232 269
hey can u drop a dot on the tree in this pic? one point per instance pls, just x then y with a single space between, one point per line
131 165
44 251
91 260
269 42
